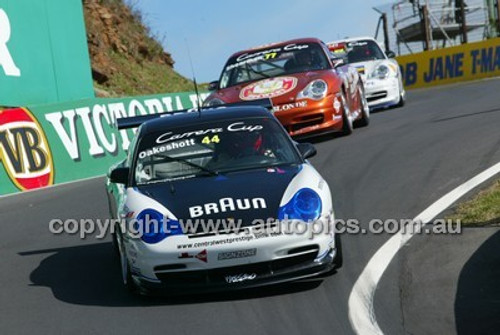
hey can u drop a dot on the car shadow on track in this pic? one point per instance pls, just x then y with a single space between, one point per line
331 136
480 113
477 302
320 138
90 275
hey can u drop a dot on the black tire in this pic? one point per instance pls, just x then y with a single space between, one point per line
126 274
114 238
338 260
365 110
402 101
347 124
402 98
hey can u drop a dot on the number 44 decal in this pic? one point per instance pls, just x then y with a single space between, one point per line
208 139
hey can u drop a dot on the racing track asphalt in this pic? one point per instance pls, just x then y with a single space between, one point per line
406 159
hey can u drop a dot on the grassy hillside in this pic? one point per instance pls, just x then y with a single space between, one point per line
126 59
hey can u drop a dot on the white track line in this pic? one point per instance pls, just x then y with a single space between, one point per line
361 311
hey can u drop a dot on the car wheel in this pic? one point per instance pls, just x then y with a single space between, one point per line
338 260
126 274
402 101
365 110
114 238
347 124
402 95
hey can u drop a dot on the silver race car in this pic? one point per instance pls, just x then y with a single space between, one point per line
218 199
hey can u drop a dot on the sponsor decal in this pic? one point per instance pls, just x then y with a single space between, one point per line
169 136
356 44
165 148
6 62
24 150
240 278
265 54
227 205
233 127
286 107
268 88
337 47
247 237
202 255
237 254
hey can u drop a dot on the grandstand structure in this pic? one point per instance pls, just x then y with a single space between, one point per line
415 25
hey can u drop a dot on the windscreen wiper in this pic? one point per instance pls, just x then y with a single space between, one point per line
257 72
184 161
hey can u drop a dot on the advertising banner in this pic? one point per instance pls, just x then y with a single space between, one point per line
43 145
450 65
43 52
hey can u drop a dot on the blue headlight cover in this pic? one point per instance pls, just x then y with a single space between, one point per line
155 227
305 205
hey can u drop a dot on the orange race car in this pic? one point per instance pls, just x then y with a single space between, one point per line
312 93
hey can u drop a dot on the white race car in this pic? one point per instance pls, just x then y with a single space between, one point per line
219 199
380 71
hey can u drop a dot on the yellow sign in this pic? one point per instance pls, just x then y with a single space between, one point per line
450 65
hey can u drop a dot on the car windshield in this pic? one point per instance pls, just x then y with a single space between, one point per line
273 62
213 148
363 51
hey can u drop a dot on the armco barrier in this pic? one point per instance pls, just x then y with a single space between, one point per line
450 65
52 144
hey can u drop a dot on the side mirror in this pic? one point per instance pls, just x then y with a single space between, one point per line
213 86
119 175
306 150
390 54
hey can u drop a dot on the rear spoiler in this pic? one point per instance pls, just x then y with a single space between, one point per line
136 121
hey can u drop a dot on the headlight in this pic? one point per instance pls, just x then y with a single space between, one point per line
316 90
381 72
154 227
213 102
305 205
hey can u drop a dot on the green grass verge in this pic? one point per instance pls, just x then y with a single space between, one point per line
482 209
146 78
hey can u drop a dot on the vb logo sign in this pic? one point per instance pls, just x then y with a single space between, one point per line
6 61
24 150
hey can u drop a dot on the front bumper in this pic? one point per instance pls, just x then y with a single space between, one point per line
257 274
381 93
309 117
189 264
